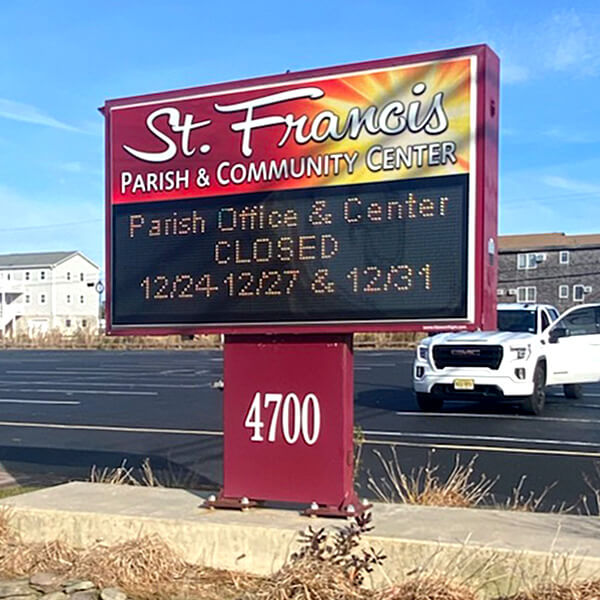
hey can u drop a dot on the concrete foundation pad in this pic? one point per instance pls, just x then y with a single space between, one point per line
492 544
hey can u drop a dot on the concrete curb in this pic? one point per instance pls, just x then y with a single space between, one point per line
486 544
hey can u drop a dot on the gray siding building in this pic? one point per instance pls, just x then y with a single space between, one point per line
550 268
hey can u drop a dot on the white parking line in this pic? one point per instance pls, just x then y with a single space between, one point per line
71 392
21 401
483 438
473 448
496 416
111 428
105 384
96 373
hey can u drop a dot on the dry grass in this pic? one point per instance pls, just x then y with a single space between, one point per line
308 579
15 490
86 340
559 578
424 486
388 340
145 568
593 482
428 588
145 475
575 590
523 501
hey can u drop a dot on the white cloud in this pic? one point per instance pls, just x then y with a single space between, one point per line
556 197
571 137
27 113
575 186
565 41
572 43
71 167
514 73
77 167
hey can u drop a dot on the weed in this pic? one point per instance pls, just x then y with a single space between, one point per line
145 475
325 567
424 486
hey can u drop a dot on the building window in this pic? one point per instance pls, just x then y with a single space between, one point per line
8 276
68 298
80 276
81 299
526 294
84 323
68 275
563 291
527 261
27 275
27 299
578 293
563 257
67 322
42 298
42 275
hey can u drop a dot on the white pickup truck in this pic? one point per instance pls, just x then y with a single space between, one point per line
533 348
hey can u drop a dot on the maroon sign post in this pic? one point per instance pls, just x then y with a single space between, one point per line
288 212
289 420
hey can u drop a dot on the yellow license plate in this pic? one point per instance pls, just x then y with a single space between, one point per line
464 384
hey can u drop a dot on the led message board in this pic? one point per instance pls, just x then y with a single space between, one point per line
350 198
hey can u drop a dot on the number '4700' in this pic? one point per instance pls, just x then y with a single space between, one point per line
290 417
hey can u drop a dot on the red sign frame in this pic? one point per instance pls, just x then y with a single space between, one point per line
483 266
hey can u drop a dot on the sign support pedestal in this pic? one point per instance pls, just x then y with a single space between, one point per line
288 423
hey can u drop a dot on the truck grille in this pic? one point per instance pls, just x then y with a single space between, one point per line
467 356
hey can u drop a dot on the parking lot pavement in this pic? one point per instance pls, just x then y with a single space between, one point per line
64 411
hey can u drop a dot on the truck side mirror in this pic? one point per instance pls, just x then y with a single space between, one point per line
557 333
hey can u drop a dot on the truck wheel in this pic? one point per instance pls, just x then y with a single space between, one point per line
534 404
429 402
573 390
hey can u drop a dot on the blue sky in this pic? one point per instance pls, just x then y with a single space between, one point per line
60 60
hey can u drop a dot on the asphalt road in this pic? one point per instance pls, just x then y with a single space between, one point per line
61 412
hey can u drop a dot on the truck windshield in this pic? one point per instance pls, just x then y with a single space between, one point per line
517 320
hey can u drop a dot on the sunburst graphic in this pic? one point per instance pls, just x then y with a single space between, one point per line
369 93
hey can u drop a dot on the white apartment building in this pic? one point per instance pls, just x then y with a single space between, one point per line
45 291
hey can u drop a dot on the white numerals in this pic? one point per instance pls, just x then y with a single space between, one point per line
294 419
253 420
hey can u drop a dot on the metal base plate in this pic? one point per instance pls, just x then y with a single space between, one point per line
230 503
347 510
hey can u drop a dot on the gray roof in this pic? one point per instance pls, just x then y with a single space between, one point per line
34 259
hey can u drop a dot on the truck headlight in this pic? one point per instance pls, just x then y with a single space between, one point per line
521 352
423 352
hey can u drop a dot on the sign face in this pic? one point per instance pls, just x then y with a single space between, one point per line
343 199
